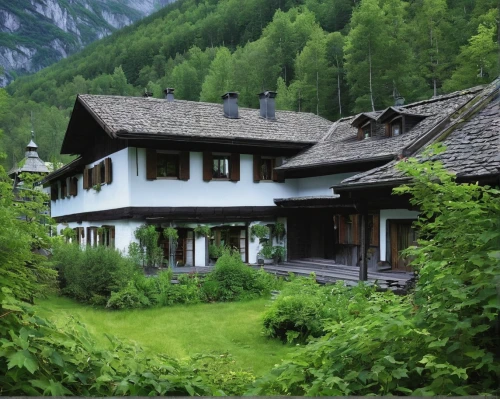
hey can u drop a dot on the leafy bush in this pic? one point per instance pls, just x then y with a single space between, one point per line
304 308
93 271
235 279
440 340
128 298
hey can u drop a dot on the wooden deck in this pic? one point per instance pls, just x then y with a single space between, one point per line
327 271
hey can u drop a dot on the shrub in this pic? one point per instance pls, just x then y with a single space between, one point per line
304 308
128 298
93 271
235 279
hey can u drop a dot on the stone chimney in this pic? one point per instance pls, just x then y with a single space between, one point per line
267 105
169 94
230 105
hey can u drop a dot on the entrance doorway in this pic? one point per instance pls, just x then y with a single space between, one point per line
184 250
401 235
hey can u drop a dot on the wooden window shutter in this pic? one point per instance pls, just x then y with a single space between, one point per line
184 165
374 239
53 192
73 186
235 167
361 136
108 171
150 164
98 179
64 189
256 168
86 182
207 166
388 130
355 229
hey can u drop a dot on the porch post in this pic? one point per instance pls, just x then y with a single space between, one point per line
363 266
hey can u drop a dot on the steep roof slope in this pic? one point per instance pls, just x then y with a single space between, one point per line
341 145
138 116
472 148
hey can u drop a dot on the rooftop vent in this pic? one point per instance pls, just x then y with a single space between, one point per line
399 101
169 94
230 105
267 105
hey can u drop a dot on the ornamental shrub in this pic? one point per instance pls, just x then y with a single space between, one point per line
304 308
235 279
92 271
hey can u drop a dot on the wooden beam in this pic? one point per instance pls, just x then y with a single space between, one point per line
363 267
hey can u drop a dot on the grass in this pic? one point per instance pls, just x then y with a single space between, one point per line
181 331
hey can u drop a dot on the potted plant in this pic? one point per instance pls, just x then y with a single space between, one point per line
279 254
215 252
267 253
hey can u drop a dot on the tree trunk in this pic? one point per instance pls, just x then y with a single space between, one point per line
370 62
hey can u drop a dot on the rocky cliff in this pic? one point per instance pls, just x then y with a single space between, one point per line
37 33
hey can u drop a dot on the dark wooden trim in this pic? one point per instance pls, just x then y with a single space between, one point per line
235 167
195 214
363 266
108 171
184 171
150 164
207 166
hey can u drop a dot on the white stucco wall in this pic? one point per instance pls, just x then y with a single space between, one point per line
124 231
114 195
318 185
130 188
386 214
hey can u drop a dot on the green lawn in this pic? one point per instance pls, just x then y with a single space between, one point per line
180 331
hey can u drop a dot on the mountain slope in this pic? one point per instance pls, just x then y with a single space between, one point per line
37 33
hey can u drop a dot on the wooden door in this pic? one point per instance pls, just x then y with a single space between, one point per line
402 235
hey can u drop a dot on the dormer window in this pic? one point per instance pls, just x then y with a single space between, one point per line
396 127
399 120
366 124
367 130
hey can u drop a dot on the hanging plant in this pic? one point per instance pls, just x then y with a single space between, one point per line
279 230
260 231
203 231
171 233
97 187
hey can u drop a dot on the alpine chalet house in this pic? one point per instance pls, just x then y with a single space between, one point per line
180 163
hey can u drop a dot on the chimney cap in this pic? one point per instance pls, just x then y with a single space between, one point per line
229 94
268 94
169 90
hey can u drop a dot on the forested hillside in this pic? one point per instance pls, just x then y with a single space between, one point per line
330 57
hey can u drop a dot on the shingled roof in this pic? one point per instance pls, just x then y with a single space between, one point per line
124 117
472 147
31 163
341 145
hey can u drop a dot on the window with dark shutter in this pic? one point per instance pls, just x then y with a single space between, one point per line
234 170
54 192
102 172
108 171
150 164
167 165
348 226
88 178
64 189
207 166
96 179
73 186
184 165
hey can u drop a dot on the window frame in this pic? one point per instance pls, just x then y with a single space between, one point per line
160 153
399 121
221 156
367 125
